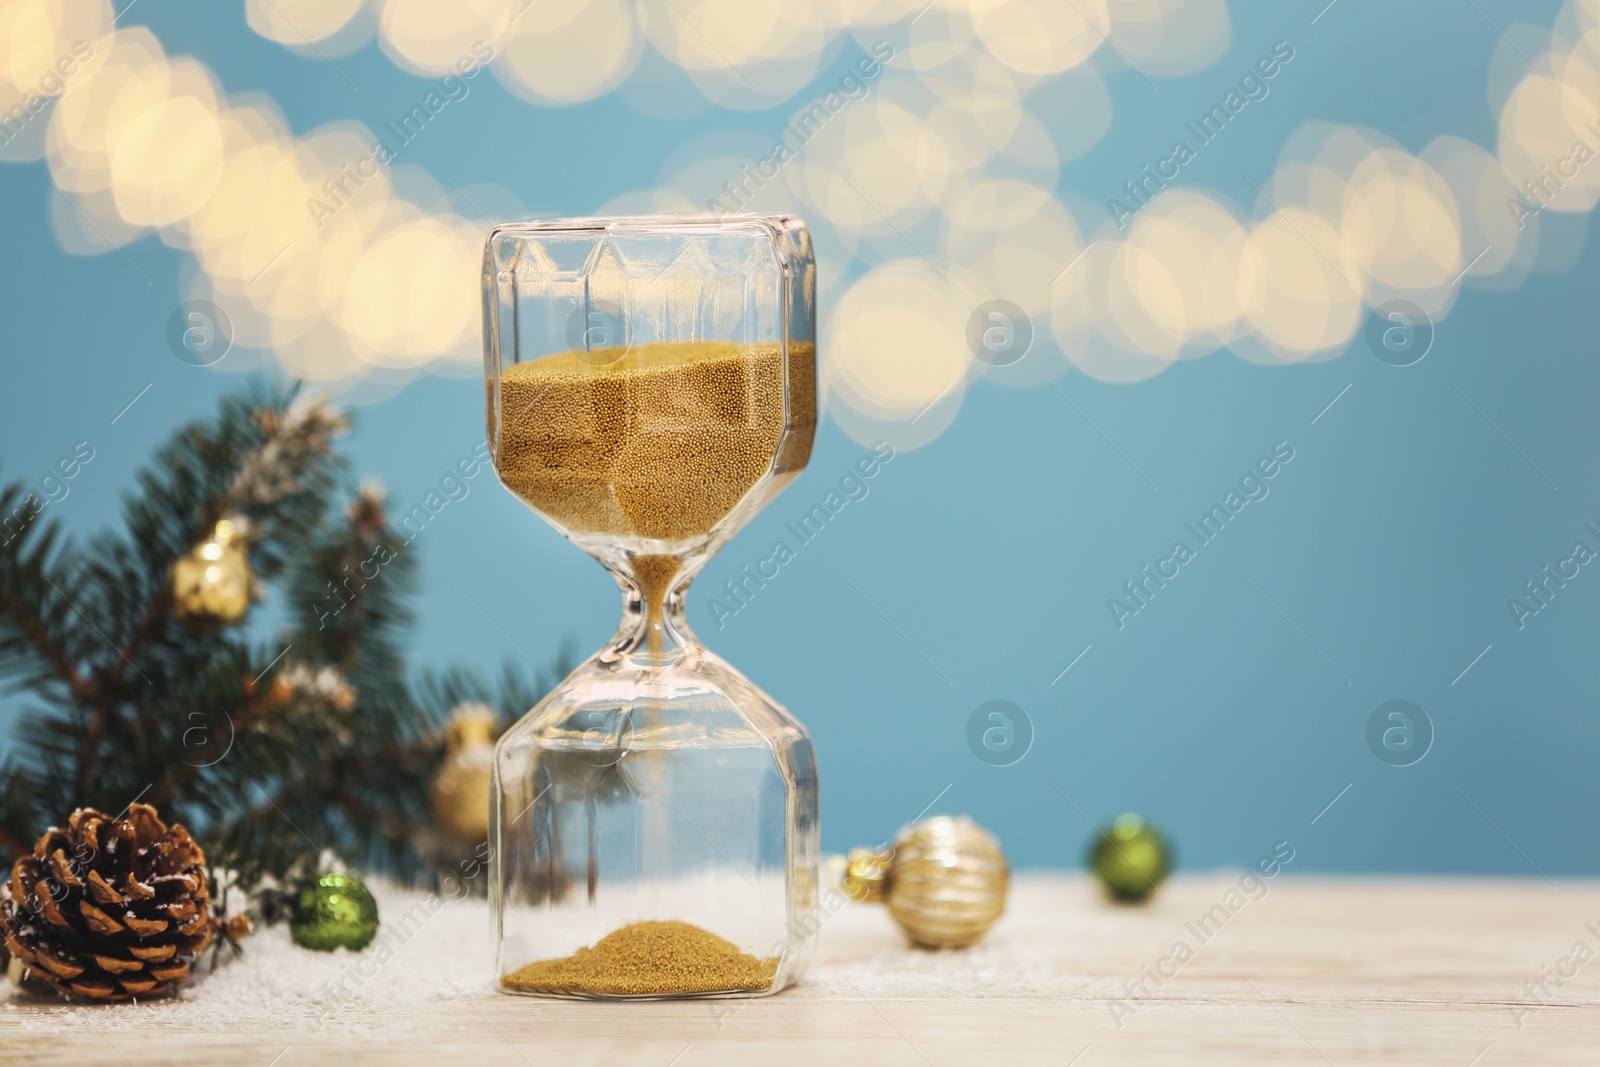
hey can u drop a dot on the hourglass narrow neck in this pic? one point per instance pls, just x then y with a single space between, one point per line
655 631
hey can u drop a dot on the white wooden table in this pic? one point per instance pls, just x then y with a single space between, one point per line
1316 971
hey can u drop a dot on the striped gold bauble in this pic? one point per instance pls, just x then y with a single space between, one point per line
944 881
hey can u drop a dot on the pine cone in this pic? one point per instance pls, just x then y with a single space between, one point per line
110 909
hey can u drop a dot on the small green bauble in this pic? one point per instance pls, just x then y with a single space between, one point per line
333 911
1130 858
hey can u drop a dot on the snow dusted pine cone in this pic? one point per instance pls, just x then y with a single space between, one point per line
110 909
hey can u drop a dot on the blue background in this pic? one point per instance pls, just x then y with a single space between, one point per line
980 565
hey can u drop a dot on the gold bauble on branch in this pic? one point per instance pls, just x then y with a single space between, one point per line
460 794
211 583
944 881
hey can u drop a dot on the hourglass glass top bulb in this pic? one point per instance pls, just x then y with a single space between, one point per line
681 397
944 881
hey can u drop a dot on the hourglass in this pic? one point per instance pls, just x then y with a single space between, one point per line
651 384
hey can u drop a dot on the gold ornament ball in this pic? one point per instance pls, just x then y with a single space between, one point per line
460 794
945 881
211 582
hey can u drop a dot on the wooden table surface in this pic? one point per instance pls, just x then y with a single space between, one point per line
1307 970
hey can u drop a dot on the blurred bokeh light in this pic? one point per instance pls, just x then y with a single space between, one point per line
930 182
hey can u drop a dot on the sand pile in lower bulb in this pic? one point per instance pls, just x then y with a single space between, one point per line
649 959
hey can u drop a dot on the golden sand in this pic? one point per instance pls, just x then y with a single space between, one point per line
660 444
649 959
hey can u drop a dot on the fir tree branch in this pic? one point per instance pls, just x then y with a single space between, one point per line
92 738
13 847
397 831
335 750
263 465
25 573
259 705
30 627
157 612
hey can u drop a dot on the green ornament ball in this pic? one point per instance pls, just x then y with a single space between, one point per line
333 911
1130 859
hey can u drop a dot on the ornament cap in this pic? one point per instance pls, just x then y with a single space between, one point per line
470 725
231 529
866 873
